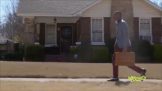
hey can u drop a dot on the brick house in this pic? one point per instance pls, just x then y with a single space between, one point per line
62 23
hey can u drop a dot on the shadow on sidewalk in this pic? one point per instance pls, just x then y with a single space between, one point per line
122 83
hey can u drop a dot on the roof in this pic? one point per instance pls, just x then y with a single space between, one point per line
53 7
61 8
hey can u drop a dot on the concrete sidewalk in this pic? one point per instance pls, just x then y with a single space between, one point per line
72 70
46 84
74 80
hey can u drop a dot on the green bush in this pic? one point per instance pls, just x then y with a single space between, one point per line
143 49
12 56
97 54
17 55
111 47
73 50
34 53
100 54
85 53
157 54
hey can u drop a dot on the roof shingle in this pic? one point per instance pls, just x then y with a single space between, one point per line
53 7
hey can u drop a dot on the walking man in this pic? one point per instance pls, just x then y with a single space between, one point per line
122 44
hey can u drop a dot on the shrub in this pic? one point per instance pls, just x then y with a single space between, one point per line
73 50
111 47
34 53
97 54
143 49
16 55
12 56
100 54
84 53
157 54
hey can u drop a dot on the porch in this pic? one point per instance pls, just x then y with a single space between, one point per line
56 34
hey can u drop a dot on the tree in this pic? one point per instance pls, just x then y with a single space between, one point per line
161 4
13 27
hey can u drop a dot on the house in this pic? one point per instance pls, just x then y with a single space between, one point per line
62 23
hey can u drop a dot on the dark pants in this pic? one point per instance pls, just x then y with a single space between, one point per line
116 68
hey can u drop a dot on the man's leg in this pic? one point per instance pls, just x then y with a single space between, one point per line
139 70
115 68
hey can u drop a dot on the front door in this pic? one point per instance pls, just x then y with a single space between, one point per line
66 38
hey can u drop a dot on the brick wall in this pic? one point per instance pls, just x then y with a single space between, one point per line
107 29
85 30
156 29
136 27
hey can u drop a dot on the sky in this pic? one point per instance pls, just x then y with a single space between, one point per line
157 1
5 4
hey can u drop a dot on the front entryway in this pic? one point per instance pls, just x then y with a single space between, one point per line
66 38
48 38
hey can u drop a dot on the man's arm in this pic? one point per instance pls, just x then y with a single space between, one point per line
125 37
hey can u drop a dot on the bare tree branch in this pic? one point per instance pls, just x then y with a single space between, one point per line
13 26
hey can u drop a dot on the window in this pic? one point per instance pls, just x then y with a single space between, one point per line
97 31
145 32
50 35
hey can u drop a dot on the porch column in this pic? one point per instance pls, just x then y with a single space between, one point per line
42 34
29 30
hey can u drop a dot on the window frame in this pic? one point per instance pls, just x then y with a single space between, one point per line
50 24
103 41
150 19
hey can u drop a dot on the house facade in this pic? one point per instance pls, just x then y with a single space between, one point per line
62 23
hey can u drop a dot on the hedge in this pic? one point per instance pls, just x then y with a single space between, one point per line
16 55
96 54
34 53
143 49
12 56
157 54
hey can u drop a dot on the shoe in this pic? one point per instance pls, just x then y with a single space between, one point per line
143 72
114 79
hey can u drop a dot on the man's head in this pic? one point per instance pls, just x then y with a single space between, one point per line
117 16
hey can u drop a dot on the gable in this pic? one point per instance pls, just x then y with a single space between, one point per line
143 9
101 9
52 7
84 8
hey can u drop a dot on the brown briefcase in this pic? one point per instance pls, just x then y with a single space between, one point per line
124 58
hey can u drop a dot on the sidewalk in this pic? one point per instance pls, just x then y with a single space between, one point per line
39 84
72 70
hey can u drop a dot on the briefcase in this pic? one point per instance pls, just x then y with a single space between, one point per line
124 58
